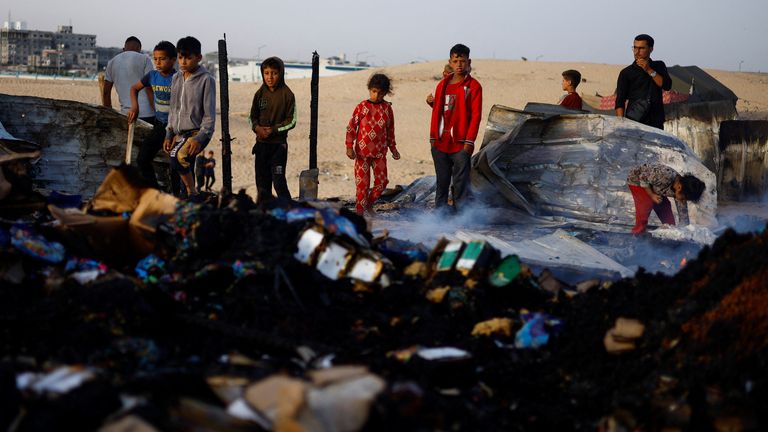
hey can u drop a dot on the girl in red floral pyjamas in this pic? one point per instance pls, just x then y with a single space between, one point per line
370 133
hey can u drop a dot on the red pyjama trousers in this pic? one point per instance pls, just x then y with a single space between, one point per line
643 206
365 197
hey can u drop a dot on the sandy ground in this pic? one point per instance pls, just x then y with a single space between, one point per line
510 83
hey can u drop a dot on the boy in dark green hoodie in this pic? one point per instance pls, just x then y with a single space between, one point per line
273 114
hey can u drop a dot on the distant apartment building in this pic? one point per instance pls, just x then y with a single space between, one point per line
104 55
47 52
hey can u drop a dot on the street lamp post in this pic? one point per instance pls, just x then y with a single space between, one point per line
740 62
258 52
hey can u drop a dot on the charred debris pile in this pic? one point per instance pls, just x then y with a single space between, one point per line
225 316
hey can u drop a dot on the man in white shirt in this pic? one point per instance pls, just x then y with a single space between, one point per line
123 71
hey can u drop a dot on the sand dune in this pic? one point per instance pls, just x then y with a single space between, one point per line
510 83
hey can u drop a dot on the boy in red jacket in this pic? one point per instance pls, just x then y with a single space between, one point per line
455 123
571 80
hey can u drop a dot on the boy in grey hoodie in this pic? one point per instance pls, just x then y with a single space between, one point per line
192 116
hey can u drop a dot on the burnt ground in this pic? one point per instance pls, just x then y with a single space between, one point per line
230 285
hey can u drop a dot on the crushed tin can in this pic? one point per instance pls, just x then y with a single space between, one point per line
366 270
475 258
309 242
506 272
333 260
450 255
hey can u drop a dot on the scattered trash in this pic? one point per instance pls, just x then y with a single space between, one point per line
437 295
84 270
150 269
443 353
690 233
536 330
333 260
549 283
506 272
475 258
450 256
495 326
309 241
36 246
240 316
60 380
337 399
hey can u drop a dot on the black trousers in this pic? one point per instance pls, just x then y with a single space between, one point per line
451 166
269 163
148 150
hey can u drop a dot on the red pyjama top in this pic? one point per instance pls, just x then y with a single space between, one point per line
371 130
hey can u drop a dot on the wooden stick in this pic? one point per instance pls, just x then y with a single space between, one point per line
129 145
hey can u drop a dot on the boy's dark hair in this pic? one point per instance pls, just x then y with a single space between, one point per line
645 37
188 45
166 47
573 76
133 39
692 187
272 63
460 50
381 82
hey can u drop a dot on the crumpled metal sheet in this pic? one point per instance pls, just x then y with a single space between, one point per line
79 143
575 166
743 160
698 125
12 148
558 249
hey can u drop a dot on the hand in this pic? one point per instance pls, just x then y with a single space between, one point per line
168 145
194 147
350 153
643 63
656 198
430 99
469 148
263 132
133 113
395 154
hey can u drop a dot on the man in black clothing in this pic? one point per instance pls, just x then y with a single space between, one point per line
641 83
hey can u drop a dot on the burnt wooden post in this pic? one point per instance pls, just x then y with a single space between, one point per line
308 179
314 84
226 140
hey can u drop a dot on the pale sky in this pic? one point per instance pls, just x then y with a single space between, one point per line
710 34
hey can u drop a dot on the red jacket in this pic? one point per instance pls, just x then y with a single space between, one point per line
573 100
466 115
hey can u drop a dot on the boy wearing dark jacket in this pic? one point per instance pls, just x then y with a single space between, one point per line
273 114
458 104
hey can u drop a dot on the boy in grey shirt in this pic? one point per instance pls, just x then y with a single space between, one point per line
192 116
